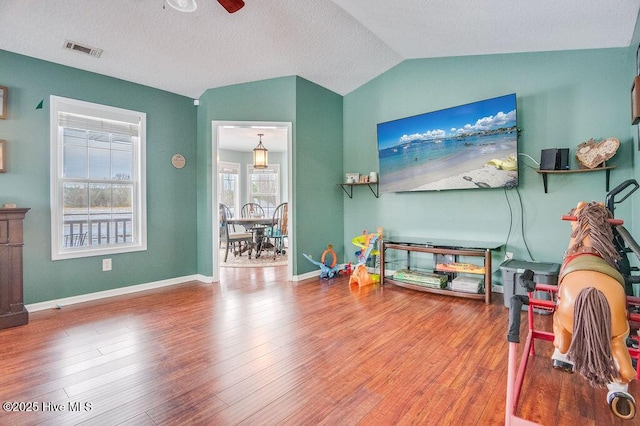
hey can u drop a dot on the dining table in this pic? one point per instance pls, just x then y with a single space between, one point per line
257 225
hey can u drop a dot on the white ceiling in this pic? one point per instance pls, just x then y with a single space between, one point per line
245 138
338 44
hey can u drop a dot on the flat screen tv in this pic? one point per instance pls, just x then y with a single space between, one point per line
464 147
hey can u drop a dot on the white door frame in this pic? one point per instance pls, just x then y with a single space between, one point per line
215 127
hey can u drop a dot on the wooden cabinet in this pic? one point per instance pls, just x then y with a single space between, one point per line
12 310
439 249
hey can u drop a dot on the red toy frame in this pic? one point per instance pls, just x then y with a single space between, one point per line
515 380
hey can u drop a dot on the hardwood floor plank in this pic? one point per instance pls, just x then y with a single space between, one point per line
141 420
258 350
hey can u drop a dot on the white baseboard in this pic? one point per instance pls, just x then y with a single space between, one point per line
57 303
312 274
205 278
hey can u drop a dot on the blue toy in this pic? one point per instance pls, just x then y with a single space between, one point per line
326 271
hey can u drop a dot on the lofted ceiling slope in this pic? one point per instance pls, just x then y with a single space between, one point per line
338 44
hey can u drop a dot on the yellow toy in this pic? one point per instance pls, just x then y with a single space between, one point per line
360 274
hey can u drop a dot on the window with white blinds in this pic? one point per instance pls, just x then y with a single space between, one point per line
264 187
98 198
229 186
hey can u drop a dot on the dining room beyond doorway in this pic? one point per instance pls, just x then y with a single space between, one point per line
237 184
253 239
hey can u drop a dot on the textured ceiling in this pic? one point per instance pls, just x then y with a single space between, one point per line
339 44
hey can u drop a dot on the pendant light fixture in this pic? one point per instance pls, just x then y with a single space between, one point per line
183 5
260 155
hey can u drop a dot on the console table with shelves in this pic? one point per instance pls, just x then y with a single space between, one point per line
452 248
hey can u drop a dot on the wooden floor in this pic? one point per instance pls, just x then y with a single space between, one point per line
257 350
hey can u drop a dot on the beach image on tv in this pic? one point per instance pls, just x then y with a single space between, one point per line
465 147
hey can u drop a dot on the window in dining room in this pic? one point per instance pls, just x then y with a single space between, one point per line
264 187
229 186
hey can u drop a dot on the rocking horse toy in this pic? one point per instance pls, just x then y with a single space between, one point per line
590 323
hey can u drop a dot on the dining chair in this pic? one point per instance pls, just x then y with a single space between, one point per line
278 229
252 210
223 229
233 240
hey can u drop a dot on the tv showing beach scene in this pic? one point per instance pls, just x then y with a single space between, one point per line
464 147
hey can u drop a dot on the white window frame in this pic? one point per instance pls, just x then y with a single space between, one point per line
139 200
275 169
224 165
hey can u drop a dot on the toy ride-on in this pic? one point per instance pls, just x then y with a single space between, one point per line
592 312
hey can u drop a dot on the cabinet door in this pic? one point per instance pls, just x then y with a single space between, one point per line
5 279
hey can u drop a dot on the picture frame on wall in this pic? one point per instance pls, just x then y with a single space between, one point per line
3 102
637 74
3 156
635 100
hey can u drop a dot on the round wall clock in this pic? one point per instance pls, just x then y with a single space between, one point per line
178 161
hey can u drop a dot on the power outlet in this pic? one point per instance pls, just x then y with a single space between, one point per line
106 264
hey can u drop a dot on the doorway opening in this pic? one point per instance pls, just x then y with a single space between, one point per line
235 182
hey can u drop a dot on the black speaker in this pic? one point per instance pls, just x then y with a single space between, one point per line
554 159
564 159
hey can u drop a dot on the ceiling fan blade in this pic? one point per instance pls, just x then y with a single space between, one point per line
232 5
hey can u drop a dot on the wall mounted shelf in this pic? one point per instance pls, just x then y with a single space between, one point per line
373 186
544 174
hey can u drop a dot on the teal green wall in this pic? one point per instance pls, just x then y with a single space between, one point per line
268 100
171 193
563 99
316 114
318 159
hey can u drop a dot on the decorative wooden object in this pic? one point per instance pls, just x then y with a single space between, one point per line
592 154
12 310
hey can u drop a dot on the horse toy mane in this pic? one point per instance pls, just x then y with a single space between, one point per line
592 224
590 323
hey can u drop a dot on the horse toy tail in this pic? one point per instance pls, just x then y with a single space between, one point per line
590 349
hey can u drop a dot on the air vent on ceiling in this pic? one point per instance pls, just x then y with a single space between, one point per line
91 51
